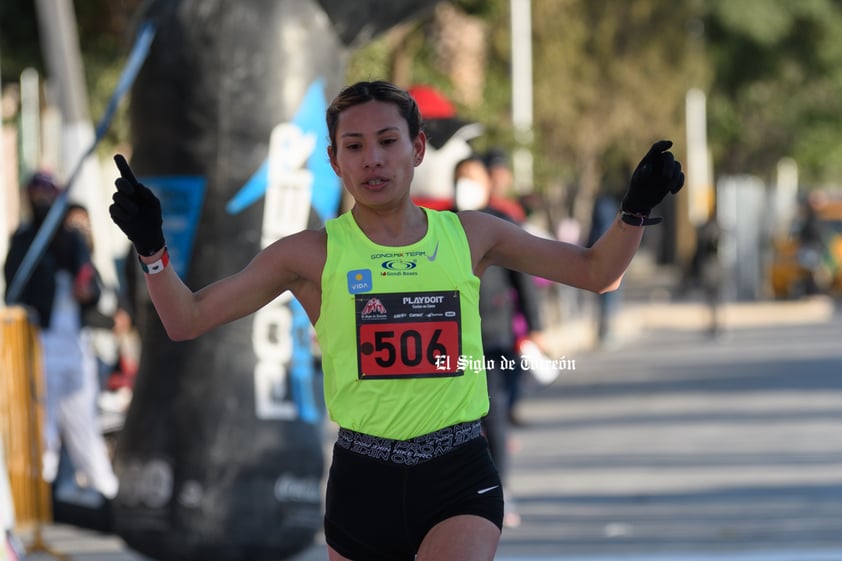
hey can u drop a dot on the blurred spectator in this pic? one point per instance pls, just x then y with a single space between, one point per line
62 286
498 290
448 138
501 200
502 182
811 249
107 330
608 303
707 273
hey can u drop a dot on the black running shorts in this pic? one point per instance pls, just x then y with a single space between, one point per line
380 510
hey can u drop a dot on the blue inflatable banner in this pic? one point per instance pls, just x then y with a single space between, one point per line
181 204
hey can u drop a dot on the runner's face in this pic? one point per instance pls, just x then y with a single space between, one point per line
373 155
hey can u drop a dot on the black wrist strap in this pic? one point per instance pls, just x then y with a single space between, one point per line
638 220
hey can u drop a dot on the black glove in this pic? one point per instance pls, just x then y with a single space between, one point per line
137 211
657 174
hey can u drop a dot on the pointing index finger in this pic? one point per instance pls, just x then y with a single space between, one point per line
124 168
661 146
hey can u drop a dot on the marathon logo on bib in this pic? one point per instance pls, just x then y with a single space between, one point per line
404 335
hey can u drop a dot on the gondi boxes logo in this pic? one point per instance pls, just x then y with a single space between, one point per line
359 280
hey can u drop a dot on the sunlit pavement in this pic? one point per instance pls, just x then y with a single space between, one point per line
83 545
723 556
679 446
672 447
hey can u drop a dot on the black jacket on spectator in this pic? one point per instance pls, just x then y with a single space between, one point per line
66 251
502 292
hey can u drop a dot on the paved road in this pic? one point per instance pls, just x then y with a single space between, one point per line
679 444
675 448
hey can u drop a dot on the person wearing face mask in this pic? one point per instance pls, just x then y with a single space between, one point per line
501 292
472 185
60 289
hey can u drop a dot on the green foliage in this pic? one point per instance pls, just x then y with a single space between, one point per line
104 38
19 47
486 9
610 77
371 62
777 90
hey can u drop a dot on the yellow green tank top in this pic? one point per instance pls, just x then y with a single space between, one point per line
399 330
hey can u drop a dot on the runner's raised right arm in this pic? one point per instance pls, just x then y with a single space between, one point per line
184 313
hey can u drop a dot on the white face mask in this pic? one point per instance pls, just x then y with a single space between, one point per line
470 194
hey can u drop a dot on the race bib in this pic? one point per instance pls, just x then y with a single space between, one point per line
408 335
